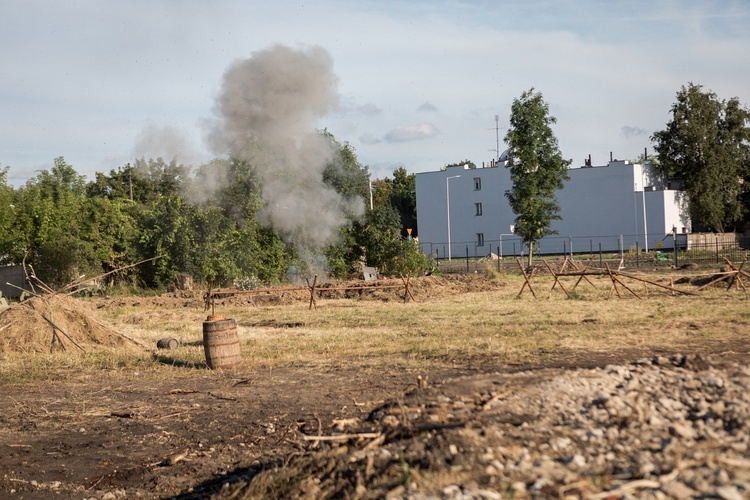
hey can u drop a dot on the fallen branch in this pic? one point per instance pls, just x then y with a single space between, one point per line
343 437
650 282
7 326
103 325
497 397
59 330
76 283
219 396
638 484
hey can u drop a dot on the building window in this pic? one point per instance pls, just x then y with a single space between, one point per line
477 183
480 239
478 208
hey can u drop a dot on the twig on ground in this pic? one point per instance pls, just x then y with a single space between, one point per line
343 437
638 484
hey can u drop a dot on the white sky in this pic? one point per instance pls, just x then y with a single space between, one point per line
420 82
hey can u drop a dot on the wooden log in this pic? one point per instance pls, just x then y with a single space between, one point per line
312 293
407 292
76 283
736 278
614 283
583 275
651 282
61 331
557 280
526 278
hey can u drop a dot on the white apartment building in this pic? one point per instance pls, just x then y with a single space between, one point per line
463 211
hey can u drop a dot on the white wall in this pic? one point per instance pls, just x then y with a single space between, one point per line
598 205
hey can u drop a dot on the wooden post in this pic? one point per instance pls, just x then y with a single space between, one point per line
525 277
583 275
557 280
407 292
614 283
312 292
615 277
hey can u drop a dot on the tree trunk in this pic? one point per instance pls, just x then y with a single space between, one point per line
531 251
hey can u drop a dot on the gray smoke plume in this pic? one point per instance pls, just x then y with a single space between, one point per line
167 142
267 111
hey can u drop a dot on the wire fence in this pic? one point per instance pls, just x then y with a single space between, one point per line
601 251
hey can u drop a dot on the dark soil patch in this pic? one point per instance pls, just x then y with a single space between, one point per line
127 434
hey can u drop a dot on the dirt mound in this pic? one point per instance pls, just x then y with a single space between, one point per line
667 428
54 323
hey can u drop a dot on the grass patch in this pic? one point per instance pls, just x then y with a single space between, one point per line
478 329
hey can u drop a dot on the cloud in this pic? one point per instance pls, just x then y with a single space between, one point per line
629 132
427 107
369 138
411 133
369 109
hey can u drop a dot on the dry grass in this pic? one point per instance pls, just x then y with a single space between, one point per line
491 328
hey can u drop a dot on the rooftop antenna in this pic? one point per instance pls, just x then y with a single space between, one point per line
497 137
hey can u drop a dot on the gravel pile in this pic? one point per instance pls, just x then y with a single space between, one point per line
664 428
659 428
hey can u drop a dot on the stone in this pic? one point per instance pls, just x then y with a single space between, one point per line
729 493
682 430
678 489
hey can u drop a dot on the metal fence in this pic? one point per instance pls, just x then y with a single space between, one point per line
502 256
714 252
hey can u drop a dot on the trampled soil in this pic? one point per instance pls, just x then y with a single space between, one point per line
121 436
355 433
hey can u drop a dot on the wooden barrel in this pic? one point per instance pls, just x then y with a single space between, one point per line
168 343
221 344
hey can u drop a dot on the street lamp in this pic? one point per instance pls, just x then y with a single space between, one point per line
643 199
645 225
501 244
448 207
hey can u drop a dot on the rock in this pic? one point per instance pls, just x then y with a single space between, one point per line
682 430
714 381
578 461
676 489
560 443
729 493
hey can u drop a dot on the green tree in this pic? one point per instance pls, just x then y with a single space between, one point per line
64 234
6 198
344 257
166 230
537 168
344 172
403 197
463 163
144 182
50 201
381 192
109 228
379 235
229 243
706 145
8 209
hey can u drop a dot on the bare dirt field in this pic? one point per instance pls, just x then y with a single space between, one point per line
468 391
